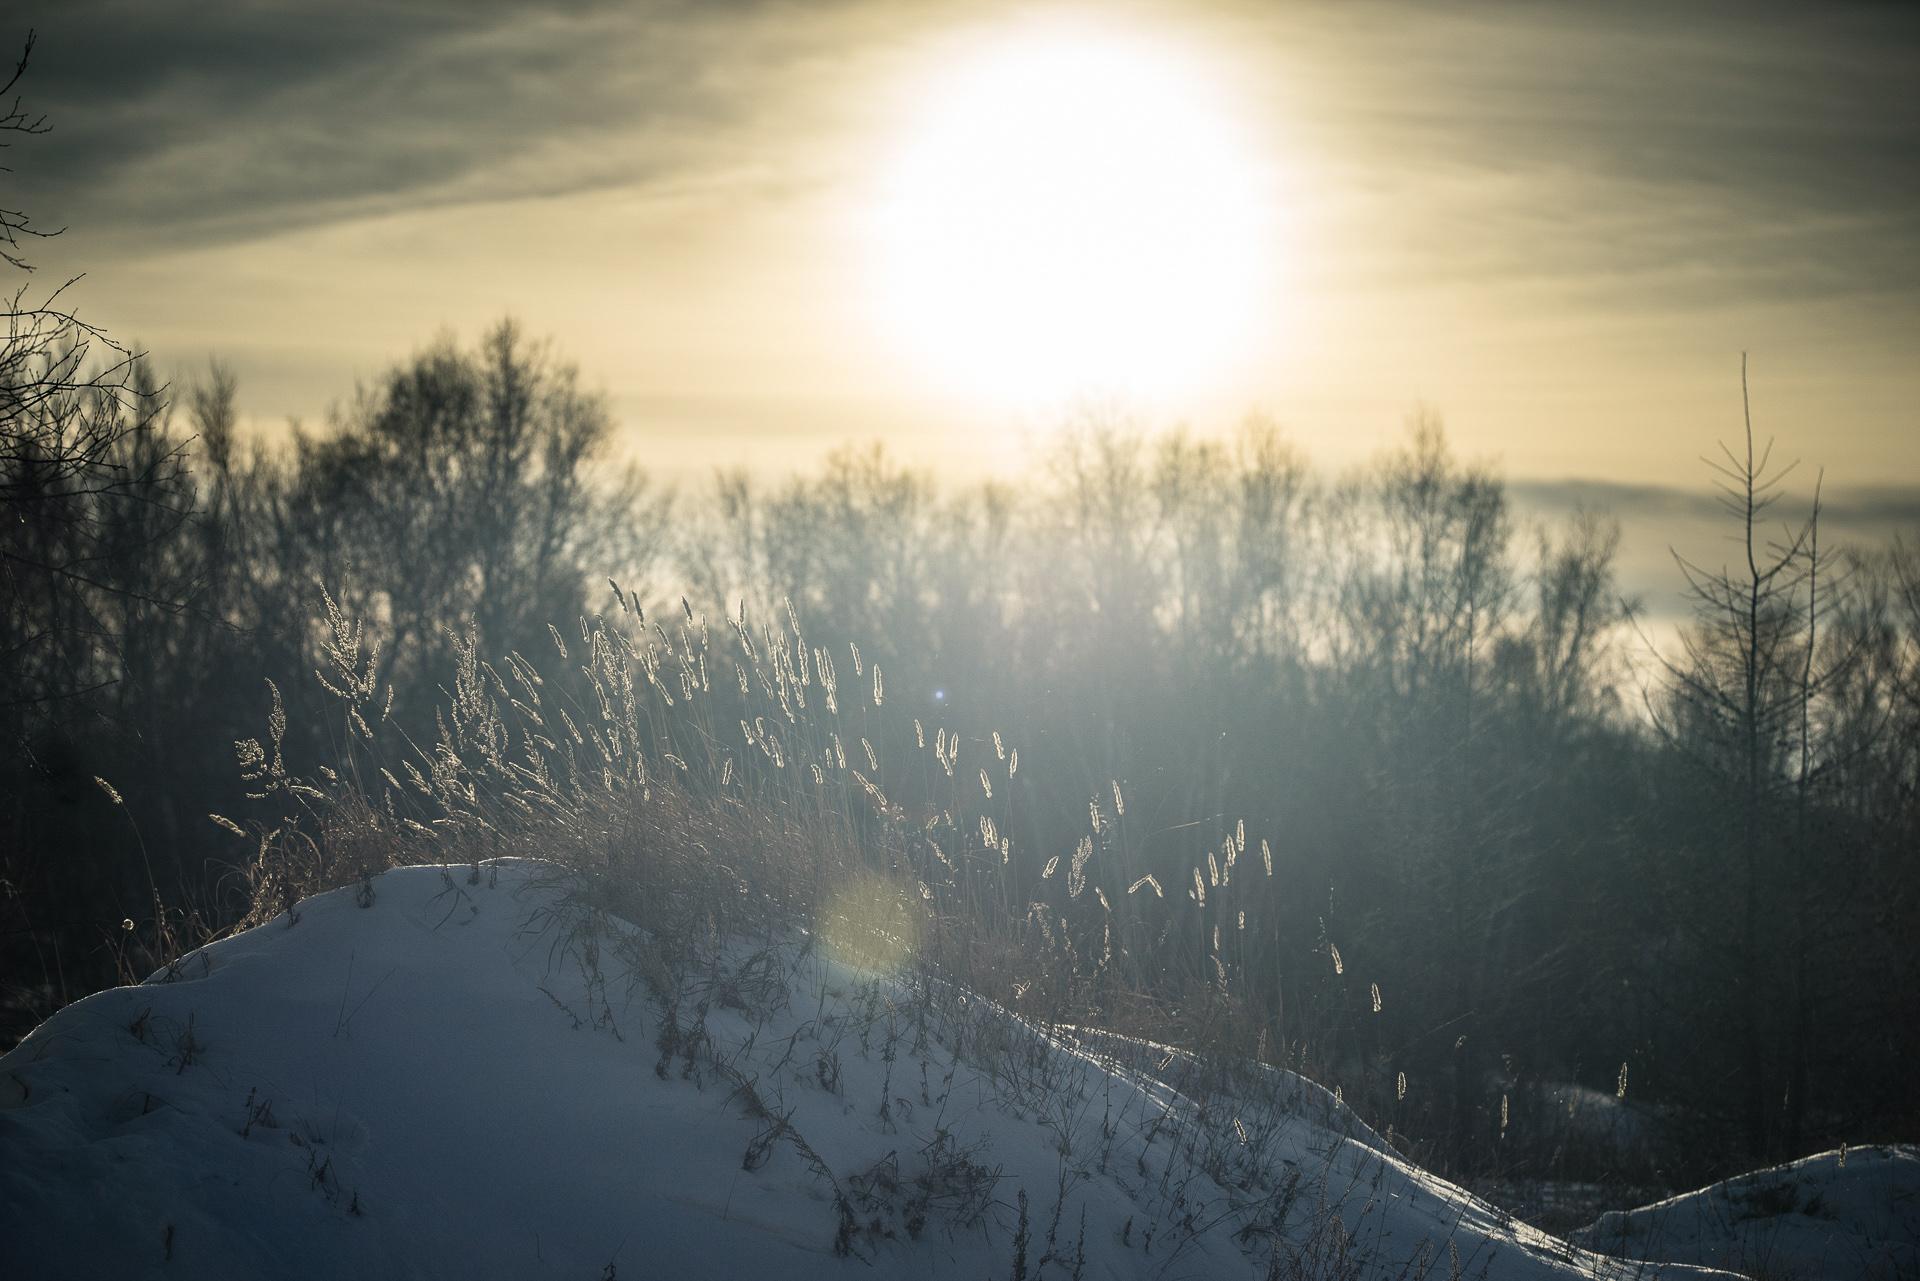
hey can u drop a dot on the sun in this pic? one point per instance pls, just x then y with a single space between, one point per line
1073 213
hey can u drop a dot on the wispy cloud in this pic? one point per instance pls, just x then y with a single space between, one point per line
187 124
1560 222
1763 148
1644 153
1870 513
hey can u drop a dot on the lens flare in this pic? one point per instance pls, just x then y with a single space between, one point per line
870 924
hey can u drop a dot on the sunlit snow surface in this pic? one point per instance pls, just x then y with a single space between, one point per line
1847 1213
461 1080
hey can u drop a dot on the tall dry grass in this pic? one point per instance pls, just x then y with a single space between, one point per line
737 776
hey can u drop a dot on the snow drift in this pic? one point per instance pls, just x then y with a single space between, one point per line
456 1072
1852 1212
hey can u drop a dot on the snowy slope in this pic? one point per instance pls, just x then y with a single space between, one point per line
465 1078
1846 1213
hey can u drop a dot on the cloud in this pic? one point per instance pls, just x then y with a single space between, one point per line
1549 219
1631 153
1678 155
1869 512
190 124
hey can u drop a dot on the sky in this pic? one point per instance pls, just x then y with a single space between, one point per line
1558 226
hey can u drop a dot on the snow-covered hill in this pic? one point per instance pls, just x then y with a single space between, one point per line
1852 1212
459 1074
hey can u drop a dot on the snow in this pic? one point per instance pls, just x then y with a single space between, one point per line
465 1074
1851 1212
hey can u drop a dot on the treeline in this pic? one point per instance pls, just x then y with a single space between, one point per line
1511 848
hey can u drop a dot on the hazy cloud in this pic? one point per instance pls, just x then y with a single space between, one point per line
1764 149
1686 151
190 123
1560 222
1869 512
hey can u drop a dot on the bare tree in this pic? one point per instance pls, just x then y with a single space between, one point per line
460 488
15 119
88 480
1744 704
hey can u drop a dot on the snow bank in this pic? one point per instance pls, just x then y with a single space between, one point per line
467 1077
1852 1212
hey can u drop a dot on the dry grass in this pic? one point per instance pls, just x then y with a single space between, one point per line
699 783
731 780
735 792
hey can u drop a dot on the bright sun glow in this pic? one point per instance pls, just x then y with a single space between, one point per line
1074 214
